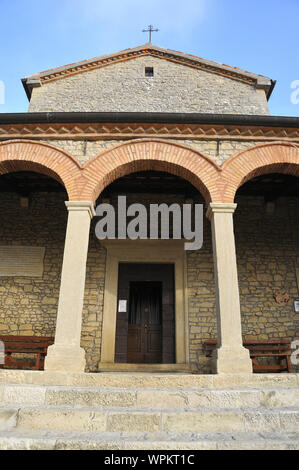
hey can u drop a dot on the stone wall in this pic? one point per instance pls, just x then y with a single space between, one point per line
93 301
201 300
219 151
123 87
267 248
28 306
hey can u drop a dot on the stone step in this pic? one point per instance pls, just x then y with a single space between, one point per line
138 411
47 440
107 419
148 398
153 380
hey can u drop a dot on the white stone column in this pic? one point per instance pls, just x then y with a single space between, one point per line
66 354
231 356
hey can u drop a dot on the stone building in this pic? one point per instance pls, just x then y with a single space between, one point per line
157 126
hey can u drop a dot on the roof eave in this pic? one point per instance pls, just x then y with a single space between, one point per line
270 91
137 117
29 84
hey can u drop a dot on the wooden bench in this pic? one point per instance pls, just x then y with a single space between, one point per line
31 345
272 348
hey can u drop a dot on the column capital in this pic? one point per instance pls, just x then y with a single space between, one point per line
81 206
219 207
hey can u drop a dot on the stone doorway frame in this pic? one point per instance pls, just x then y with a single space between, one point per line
145 251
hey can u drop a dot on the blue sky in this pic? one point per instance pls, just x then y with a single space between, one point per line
257 35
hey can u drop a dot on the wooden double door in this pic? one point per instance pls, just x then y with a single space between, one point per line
145 331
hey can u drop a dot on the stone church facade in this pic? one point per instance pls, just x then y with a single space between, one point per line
157 126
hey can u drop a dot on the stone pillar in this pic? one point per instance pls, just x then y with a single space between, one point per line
66 354
231 356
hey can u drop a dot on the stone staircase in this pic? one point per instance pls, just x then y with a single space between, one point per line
158 411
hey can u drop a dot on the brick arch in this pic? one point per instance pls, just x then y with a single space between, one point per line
151 154
24 155
278 157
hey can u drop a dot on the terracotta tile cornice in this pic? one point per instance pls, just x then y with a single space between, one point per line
121 131
146 52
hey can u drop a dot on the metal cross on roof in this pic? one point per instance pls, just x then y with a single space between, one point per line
150 30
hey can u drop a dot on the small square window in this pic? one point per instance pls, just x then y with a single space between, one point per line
149 71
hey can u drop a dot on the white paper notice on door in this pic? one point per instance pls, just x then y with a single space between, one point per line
122 306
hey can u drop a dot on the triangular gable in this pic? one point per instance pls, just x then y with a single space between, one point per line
148 50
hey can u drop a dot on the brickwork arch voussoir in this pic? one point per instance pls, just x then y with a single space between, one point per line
24 155
149 154
278 157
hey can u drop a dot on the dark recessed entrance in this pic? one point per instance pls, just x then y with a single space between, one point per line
145 330
145 322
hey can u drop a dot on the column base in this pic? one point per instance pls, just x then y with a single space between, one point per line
228 360
65 358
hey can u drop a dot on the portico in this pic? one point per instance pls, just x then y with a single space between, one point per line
216 186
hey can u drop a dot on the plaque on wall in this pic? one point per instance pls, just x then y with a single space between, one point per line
296 305
22 261
122 306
